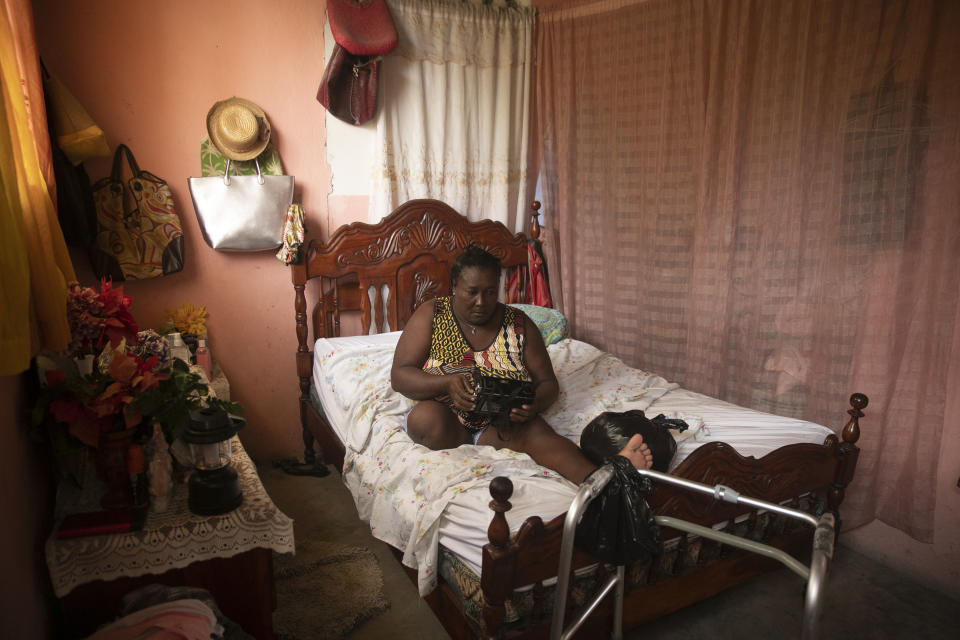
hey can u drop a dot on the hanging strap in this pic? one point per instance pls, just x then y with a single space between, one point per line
117 170
226 173
357 67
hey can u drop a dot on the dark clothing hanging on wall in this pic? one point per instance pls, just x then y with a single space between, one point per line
75 208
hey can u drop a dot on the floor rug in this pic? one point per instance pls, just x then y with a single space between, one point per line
326 590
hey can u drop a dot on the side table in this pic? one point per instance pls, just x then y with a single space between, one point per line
229 555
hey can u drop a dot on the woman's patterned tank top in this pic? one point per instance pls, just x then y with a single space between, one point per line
450 353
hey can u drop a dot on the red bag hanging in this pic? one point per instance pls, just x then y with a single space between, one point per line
363 31
349 86
362 27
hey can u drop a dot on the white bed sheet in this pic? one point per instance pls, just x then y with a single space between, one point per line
414 498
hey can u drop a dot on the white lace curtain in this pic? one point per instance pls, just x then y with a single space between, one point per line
455 110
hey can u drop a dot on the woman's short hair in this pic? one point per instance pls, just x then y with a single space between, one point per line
473 256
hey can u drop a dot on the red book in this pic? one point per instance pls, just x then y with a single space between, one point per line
98 523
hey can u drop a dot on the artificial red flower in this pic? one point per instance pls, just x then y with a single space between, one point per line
98 318
117 323
82 423
131 376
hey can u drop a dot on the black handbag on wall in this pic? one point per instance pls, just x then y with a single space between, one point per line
75 209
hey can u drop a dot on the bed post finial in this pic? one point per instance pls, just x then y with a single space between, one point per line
851 431
848 454
499 559
535 220
501 488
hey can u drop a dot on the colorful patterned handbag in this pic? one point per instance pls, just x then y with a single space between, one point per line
139 233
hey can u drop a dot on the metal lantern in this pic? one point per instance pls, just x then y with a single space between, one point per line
214 487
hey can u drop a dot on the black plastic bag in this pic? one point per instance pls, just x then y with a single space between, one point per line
609 432
618 526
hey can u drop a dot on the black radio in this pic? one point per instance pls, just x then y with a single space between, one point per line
496 396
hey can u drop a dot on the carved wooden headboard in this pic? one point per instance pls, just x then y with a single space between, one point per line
385 271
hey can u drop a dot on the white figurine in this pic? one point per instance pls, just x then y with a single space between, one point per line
160 471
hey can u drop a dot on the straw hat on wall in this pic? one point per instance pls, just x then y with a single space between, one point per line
238 128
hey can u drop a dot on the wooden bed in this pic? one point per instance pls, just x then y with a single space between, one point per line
383 272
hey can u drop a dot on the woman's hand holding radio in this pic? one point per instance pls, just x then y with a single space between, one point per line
461 390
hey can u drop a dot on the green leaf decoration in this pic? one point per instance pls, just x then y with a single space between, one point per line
213 163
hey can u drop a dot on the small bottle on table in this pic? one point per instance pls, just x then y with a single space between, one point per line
204 361
178 348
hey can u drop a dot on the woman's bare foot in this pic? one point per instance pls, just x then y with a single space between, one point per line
637 452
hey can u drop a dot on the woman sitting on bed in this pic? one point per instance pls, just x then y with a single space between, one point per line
442 343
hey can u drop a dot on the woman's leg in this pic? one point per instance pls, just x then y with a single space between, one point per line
433 425
549 449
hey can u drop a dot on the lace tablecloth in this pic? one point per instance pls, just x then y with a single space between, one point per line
175 538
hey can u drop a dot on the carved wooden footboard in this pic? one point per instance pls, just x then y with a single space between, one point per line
804 476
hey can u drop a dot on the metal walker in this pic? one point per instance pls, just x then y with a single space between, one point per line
814 575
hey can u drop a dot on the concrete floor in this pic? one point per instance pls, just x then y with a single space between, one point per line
323 509
863 599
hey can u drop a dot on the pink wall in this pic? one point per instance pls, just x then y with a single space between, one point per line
148 74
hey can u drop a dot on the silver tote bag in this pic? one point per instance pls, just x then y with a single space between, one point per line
242 213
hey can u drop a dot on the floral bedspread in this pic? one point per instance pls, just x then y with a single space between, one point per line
401 488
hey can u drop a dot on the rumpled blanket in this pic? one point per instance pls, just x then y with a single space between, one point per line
401 488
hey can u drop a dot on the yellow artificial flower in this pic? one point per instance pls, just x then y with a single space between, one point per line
189 318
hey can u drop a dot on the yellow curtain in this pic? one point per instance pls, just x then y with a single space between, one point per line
35 266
